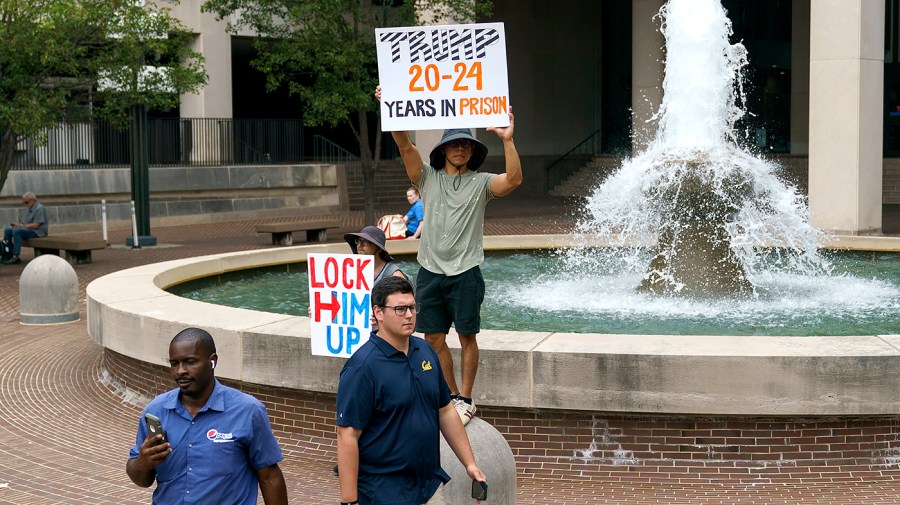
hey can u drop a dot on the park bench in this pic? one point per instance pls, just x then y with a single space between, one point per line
282 233
77 249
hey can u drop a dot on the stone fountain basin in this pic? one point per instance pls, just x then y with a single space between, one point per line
129 312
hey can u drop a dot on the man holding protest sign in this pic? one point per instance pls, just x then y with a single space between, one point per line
449 286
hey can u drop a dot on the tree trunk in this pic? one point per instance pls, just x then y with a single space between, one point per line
7 150
368 165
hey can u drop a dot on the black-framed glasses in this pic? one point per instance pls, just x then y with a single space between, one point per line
400 310
362 242
459 143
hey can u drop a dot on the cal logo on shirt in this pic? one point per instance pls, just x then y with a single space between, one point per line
216 436
426 366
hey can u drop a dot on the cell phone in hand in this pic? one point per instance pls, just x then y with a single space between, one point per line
479 490
154 427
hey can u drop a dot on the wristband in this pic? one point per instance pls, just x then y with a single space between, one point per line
354 502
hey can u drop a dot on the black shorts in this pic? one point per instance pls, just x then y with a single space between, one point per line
445 300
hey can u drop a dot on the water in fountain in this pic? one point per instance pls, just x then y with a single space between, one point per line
712 209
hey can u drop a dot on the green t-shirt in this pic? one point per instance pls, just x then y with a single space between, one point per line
453 239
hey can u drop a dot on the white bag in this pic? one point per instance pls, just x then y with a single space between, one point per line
393 227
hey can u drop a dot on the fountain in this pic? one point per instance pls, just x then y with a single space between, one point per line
713 208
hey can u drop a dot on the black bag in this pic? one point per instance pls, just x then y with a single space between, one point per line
5 250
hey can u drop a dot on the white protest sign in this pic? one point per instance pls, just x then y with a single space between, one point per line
438 77
340 302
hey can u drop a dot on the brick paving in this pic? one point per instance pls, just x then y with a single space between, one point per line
65 432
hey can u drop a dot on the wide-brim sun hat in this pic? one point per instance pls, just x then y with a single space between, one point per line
437 158
374 235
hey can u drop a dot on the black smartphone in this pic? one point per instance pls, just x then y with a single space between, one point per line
154 427
479 490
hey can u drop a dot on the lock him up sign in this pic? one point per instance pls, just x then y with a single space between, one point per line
340 287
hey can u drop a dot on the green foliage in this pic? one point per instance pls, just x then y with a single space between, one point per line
54 54
324 50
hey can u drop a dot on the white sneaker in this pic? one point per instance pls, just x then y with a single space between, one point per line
465 410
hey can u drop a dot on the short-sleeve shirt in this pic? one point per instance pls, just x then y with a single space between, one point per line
394 399
215 455
453 241
37 214
414 216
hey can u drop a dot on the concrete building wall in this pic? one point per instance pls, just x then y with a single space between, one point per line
647 71
553 56
179 195
800 77
846 123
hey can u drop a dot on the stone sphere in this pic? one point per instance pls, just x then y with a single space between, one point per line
494 457
48 291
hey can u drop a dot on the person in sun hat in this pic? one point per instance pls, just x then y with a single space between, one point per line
371 240
449 285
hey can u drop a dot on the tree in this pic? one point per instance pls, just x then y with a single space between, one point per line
324 52
61 59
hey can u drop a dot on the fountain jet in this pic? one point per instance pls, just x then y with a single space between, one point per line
711 206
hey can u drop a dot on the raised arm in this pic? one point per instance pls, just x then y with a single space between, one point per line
503 184
412 160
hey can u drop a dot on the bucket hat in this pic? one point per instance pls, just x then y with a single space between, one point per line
479 153
374 235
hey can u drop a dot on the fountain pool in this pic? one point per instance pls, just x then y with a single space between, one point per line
533 291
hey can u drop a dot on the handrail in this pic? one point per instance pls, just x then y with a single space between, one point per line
326 151
589 146
257 155
595 149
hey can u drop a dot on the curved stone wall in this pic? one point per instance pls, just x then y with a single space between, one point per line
129 313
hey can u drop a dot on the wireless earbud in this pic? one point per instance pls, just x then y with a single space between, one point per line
212 363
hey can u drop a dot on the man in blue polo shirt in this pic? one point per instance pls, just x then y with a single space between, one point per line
219 445
392 402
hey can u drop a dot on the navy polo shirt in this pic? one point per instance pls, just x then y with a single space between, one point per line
394 399
216 454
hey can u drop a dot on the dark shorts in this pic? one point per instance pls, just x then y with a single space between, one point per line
445 300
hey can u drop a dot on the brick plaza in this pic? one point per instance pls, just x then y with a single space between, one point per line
66 427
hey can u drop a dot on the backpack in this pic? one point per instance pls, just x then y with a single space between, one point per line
5 250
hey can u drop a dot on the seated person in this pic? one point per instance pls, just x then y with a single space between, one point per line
414 219
34 224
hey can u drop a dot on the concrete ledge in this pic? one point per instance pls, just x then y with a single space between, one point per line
130 313
179 195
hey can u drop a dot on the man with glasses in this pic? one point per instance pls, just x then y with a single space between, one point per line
34 224
392 401
449 285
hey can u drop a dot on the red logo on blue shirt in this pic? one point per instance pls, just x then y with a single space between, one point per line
214 435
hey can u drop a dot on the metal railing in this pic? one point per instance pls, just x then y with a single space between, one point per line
326 151
172 141
567 164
